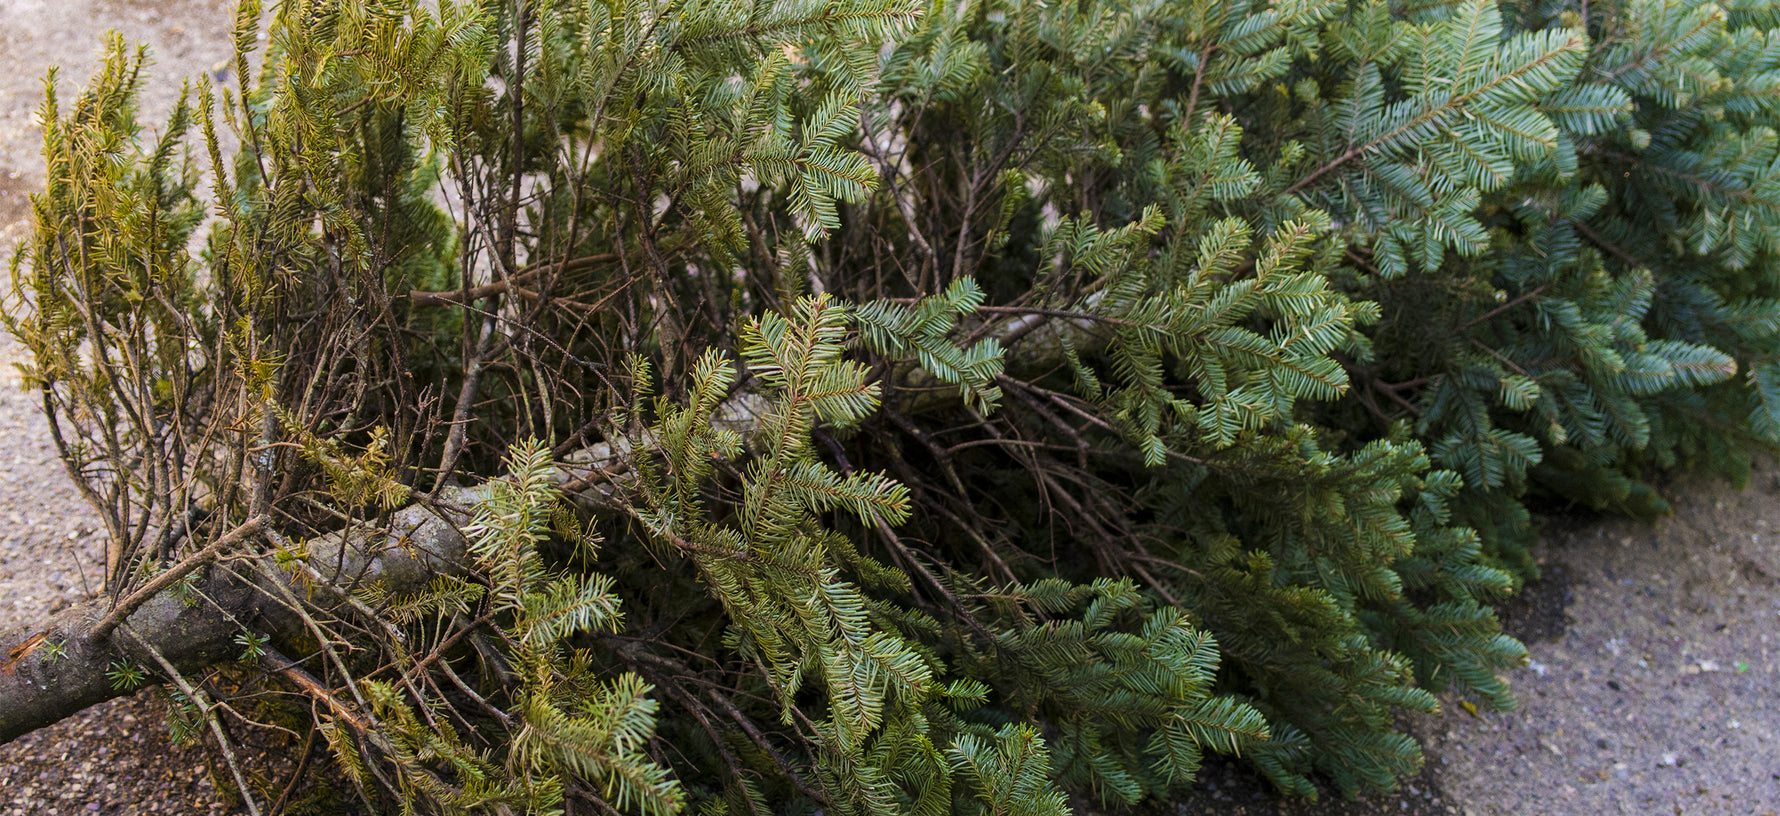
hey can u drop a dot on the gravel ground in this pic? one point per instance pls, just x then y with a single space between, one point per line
1660 697
1652 686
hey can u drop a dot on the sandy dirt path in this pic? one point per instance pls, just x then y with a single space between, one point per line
1654 686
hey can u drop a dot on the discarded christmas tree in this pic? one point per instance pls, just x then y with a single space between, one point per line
877 407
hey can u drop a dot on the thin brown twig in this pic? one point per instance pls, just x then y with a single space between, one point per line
296 775
274 661
906 556
439 650
759 739
422 297
1518 300
1498 355
222 740
1613 249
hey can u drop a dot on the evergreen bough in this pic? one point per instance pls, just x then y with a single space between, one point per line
972 402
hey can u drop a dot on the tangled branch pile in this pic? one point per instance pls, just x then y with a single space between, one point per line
903 407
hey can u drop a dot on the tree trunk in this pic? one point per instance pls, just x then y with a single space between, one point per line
53 669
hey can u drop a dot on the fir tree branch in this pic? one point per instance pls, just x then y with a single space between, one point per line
1434 114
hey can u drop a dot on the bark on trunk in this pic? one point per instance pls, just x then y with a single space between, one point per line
54 669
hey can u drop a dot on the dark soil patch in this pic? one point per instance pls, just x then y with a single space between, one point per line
1226 787
118 758
1541 611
